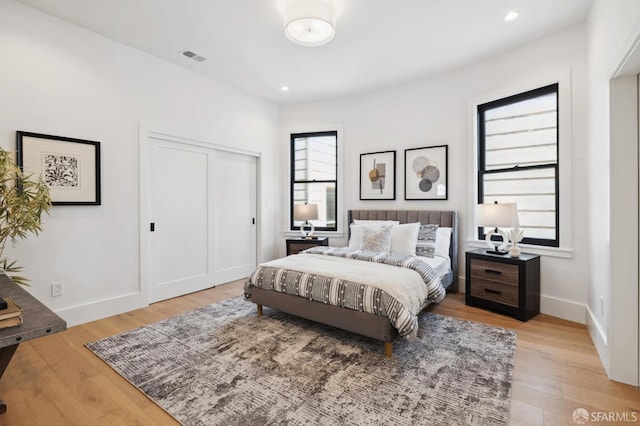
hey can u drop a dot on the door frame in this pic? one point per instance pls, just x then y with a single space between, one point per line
145 135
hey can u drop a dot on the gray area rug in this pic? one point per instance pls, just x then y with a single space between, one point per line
221 364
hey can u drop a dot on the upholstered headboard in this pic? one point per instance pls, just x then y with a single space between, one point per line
448 218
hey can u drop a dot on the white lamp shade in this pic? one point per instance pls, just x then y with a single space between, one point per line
309 23
305 212
498 215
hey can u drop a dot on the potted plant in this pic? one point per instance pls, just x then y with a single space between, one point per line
23 200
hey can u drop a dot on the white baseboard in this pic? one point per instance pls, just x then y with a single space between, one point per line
599 338
92 311
565 309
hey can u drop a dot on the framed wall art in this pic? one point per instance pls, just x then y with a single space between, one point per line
378 176
70 167
425 173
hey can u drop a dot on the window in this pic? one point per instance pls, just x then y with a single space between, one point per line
314 176
518 160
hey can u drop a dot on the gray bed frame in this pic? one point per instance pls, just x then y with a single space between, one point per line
364 323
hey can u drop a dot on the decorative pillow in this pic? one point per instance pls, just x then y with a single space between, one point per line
378 241
426 245
404 238
355 238
443 241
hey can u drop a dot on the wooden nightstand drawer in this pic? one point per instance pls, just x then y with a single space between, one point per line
493 271
494 291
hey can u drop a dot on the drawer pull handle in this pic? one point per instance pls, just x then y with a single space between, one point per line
493 271
488 290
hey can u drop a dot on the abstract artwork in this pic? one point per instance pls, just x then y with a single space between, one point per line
425 173
378 176
69 167
61 171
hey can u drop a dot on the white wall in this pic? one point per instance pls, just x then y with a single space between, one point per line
613 33
60 79
434 111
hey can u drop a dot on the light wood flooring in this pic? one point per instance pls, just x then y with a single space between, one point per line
55 380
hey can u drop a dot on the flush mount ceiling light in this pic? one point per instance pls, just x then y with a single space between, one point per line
309 23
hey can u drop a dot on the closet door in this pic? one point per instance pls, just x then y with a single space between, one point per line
182 203
234 216
200 226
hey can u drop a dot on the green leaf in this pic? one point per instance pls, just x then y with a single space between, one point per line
23 201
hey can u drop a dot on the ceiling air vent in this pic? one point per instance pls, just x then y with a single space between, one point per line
193 55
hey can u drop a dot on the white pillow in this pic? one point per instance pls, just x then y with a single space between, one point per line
404 238
378 240
443 240
355 239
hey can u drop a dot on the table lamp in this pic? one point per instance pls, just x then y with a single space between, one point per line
305 212
498 216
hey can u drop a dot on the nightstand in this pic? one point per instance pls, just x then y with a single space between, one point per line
296 245
509 285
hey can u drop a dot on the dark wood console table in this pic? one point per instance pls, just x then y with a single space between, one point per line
38 321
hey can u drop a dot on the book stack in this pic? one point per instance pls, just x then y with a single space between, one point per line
11 315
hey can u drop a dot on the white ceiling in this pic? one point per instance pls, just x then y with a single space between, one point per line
378 43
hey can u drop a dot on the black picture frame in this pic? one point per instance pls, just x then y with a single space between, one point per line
426 173
378 175
70 167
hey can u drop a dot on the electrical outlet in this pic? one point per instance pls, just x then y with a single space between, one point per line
57 289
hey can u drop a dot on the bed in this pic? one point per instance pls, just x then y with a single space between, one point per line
358 321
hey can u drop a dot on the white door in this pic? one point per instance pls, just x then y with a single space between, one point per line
235 216
181 246
201 217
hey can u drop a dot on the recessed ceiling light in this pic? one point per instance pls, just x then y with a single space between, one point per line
511 16
284 88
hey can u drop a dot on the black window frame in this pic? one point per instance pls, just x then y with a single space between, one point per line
293 181
481 110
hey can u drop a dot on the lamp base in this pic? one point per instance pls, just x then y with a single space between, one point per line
497 252
307 234
497 248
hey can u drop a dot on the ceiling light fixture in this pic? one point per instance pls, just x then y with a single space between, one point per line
511 16
309 23
284 88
